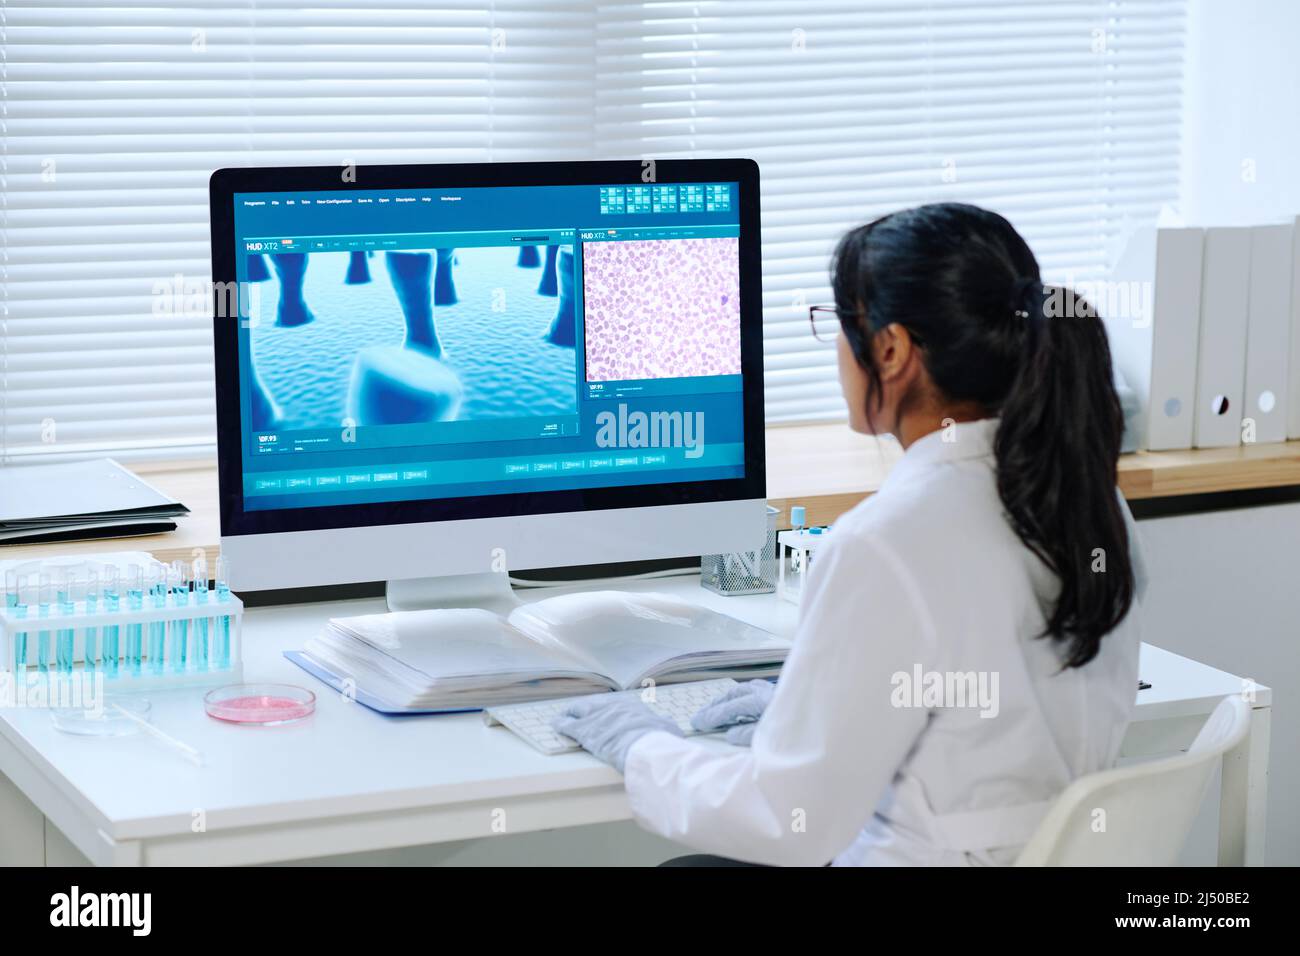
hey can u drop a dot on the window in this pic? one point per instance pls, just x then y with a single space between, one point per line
1062 115
116 114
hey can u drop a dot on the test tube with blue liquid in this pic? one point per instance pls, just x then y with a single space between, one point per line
797 517
44 598
178 579
222 650
201 623
134 631
156 580
65 583
90 650
112 596
16 603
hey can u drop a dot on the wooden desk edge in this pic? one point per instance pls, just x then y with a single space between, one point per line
826 468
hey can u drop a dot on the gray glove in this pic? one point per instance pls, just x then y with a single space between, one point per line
737 709
607 727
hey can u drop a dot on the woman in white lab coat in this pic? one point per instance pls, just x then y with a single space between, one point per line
968 642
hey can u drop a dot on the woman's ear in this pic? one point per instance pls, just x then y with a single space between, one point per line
893 348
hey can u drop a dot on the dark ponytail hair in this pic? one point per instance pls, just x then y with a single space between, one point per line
968 290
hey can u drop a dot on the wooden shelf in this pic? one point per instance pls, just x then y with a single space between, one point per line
828 469
825 468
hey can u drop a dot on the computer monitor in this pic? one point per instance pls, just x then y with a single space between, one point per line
431 371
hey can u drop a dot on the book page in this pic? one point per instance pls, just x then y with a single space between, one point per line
636 636
457 643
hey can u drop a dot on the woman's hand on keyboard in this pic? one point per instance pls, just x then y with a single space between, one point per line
737 709
607 727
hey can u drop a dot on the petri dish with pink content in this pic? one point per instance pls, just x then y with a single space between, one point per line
260 705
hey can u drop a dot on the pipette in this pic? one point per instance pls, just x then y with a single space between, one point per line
189 753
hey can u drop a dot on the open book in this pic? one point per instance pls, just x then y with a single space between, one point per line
581 643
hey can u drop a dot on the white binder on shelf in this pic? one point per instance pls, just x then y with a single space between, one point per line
1221 363
1268 334
1154 342
1293 373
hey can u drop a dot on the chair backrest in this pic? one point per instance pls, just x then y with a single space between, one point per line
1139 815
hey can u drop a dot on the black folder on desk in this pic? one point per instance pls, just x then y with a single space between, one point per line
71 501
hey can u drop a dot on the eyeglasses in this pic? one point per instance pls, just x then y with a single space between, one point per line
825 322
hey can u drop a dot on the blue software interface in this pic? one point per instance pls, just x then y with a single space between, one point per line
404 344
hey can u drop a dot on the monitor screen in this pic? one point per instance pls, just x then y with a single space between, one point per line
422 343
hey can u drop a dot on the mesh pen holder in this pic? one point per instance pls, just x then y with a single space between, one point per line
744 572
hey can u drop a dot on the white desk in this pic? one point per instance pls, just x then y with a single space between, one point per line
349 780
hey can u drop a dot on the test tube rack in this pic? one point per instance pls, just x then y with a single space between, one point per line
150 647
794 552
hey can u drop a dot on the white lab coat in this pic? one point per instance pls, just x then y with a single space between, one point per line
925 575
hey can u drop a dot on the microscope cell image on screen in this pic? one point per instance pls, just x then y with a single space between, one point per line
412 336
661 308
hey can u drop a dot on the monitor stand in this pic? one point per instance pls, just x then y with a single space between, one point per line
489 590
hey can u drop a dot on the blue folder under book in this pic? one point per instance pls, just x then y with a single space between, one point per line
320 672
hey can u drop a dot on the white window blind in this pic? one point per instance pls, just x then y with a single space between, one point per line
1063 115
114 116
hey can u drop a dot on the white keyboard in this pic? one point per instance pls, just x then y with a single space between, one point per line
677 702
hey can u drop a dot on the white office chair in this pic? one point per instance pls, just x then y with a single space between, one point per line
1147 809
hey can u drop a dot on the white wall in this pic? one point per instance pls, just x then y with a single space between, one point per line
1242 105
1225 590
1226 587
